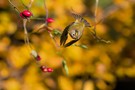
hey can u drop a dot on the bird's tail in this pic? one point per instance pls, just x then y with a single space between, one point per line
81 19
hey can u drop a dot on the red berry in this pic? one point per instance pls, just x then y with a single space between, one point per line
38 58
25 14
43 68
49 70
50 20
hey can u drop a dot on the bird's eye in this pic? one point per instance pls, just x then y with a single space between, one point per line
74 34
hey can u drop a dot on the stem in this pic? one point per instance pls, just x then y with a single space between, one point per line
33 18
99 38
93 32
54 40
96 7
29 5
17 10
46 10
38 29
23 4
26 38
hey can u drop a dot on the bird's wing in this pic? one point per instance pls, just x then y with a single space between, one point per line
64 35
71 42
81 19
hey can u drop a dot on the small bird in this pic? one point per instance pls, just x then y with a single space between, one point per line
75 30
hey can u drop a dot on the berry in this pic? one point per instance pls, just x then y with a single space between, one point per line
50 20
49 70
25 14
35 55
38 58
43 68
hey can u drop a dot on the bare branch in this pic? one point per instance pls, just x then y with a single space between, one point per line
48 29
46 10
93 32
54 40
26 38
96 7
24 4
34 18
29 5
111 9
17 10
95 15
98 38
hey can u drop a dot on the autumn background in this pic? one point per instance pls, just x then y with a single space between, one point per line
98 66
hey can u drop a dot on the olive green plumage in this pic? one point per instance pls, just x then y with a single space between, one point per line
75 30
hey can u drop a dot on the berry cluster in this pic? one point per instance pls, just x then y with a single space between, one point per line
26 15
38 58
45 69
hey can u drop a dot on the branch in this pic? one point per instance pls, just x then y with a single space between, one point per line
17 10
26 38
29 5
93 32
96 7
46 10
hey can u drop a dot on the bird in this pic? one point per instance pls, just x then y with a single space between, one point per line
74 29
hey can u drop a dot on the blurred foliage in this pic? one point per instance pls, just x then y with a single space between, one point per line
94 66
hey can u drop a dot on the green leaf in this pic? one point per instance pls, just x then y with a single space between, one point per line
84 46
65 67
81 46
56 32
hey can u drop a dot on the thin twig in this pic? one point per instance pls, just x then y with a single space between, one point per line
46 10
106 13
29 5
41 27
24 4
34 18
17 10
99 38
44 27
111 9
26 38
96 7
93 32
54 40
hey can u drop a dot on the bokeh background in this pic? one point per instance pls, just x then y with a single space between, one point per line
99 67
